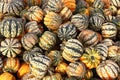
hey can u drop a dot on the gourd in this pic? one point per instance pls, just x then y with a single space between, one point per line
10 47
107 42
115 3
98 4
7 76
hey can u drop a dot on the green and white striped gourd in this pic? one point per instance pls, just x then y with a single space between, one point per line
107 42
98 4
115 3
3 7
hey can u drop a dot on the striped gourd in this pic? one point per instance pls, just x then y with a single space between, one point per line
91 58
7 1
96 21
33 27
47 40
10 47
76 69
110 18
108 70
52 20
30 3
15 7
109 30
44 4
11 27
54 5
3 7
116 21
1 63
39 65
103 50
80 21
29 40
115 3
73 50
88 37
34 13
107 42
11 65
65 13
67 31
98 4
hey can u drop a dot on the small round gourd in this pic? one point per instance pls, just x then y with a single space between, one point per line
108 42
71 4
54 5
7 76
98 4
65 13
52 21
11 65
91 58
39 65
103 50
15 7
76 69
109 30
29 40
67 31
80 21
34 13
88 37
73 50
3 7
47 40
115 3
108 70
10 47
11 27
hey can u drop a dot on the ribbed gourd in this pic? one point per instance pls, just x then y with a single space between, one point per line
15 7
80 21
54 5
39 66
88 37
3 7
29 40
103 50
91 58
11 65
11 27
65 13
109 30
76 69
52 21
108 70
73 50
10 47
115 3
96 21
67 31
34 13
7 76
47 40
98 4
107 42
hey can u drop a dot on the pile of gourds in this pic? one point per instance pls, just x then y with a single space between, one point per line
59 39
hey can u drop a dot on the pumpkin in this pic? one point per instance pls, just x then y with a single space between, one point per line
88 37
55 56
96 21
98 4
30 3
65 13
3 7
103 50
29 40
11 27
73 50
91 58
108 70
54 5
71 4
80 21
76 69
115 3
52 21
39 65
10 47
34 13
107 42
55 76
67 31
11 65
33 27
24 68
109 30
61 68
47 40
15 7
7 76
